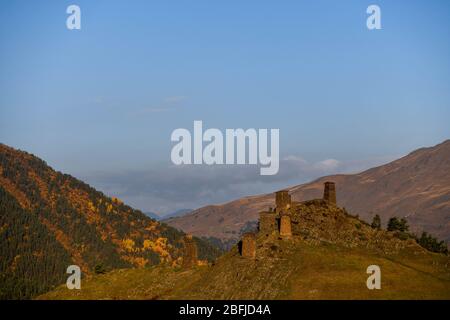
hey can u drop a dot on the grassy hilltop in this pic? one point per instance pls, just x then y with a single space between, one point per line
327 258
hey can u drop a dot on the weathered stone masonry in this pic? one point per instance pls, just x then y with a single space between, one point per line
279 220
248 245
329 192
190 252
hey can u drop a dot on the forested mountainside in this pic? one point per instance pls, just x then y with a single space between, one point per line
50 220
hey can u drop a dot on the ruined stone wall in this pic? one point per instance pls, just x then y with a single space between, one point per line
329 192
190 252
267 222
248 245
285 226
282 200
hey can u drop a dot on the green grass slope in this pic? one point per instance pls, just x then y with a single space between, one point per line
302 271
326 258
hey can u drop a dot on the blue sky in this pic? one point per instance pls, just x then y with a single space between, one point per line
100 103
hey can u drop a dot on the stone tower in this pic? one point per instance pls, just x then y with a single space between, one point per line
248 245
267 222
283 201
329 192
190 252
285 225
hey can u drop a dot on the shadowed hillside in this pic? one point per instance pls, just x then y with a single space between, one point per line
50 220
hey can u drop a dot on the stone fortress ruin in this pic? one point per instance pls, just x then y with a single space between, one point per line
190 258
278 220
291 224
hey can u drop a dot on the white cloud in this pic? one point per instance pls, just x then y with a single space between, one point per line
166 188
328 164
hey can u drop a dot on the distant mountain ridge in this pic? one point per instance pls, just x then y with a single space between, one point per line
416 186
177 213
152 215
170 215
50 220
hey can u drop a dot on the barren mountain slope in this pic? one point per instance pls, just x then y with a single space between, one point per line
416 186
